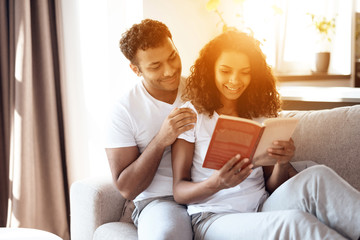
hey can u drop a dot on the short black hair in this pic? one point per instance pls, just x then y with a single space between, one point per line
148 33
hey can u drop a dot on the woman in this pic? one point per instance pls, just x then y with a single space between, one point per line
231 77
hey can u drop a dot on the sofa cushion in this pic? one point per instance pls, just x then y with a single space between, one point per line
116 231
330 137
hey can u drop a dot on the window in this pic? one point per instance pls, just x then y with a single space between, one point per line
287 35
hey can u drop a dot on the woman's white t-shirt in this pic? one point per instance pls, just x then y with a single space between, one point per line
245 197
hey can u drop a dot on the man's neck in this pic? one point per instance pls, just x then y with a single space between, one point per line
162 95
167 96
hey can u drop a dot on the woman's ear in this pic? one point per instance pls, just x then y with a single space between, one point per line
135 69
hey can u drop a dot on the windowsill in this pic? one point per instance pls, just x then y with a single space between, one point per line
311 76
314 98
321 94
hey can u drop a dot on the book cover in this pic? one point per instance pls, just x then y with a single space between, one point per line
233 135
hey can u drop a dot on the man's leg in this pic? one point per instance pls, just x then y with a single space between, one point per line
164 219
287 224
318 190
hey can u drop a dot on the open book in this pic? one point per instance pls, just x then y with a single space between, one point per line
233 135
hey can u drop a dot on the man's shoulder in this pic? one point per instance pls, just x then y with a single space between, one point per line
129 96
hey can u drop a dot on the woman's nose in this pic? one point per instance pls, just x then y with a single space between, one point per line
235 79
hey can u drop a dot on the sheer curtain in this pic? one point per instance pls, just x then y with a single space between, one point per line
96 72
33 155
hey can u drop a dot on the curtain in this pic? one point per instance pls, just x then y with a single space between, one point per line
34 182
5 69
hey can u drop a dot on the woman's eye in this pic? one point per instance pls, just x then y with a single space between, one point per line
246 72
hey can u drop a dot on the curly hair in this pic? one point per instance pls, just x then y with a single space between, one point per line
148 33
260 98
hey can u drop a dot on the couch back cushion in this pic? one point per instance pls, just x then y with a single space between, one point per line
330 137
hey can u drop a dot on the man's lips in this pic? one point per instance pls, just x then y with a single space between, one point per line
170 79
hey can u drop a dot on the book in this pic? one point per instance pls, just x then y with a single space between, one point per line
250 139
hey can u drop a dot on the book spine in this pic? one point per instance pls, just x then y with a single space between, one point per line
256 144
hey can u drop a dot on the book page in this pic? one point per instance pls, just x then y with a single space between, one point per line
275 129
231 137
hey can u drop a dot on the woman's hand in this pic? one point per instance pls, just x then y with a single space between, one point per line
231 174
282 170
283 151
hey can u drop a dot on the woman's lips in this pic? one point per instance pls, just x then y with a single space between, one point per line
232 88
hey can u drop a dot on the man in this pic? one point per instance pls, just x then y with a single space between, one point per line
144 124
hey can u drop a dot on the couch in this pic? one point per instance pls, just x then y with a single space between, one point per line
330 137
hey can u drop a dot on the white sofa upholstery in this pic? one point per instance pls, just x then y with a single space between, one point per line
330 137
15 233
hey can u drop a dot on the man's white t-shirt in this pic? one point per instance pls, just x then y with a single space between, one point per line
245 197
134 121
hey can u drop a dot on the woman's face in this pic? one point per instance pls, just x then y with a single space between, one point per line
232 74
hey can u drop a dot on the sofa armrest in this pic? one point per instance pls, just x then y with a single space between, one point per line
93 202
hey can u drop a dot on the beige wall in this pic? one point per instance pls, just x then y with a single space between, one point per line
193 26
190 23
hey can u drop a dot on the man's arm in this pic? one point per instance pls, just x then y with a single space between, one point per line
133 172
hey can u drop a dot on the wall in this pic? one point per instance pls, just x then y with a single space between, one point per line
191 25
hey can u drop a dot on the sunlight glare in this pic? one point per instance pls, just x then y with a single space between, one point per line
20 52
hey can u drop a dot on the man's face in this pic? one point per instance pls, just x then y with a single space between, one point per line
160 67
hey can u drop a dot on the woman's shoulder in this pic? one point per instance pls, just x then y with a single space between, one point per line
188 104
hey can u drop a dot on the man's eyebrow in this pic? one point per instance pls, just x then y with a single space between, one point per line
156 63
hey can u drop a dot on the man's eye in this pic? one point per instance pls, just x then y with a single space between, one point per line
155 67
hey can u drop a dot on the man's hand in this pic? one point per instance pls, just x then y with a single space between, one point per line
179 120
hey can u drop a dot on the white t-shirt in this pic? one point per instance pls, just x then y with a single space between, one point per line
245 197
134 121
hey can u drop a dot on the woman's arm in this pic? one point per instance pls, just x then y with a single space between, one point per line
186 191
282 170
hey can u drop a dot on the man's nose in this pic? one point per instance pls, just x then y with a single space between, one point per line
169 70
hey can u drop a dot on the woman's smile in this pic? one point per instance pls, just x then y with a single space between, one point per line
231 88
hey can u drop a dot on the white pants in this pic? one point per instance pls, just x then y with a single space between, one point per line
162 218
315 204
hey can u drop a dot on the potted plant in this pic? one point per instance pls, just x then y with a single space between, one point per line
325 29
